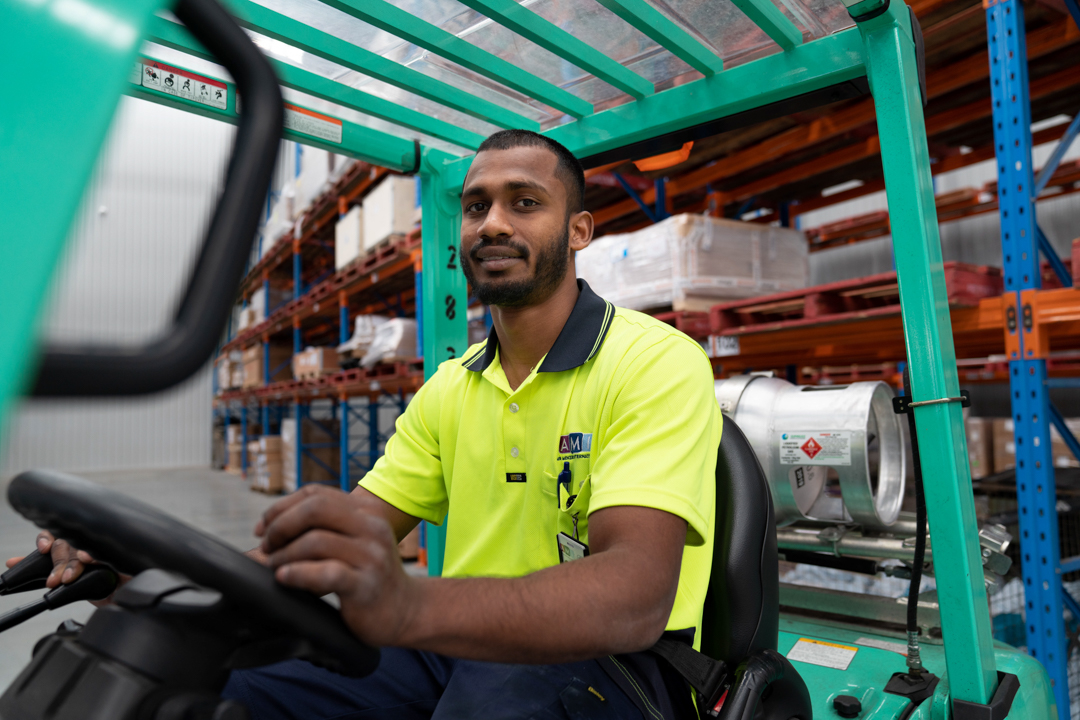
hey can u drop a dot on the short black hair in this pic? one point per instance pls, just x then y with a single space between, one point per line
567 167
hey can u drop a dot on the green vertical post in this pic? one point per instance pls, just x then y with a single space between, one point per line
965 616
43 127
443 290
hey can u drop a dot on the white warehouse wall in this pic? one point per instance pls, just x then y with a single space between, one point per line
129 254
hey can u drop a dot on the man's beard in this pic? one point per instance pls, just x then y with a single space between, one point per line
552 262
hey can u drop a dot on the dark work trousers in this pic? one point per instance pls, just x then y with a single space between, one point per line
409 685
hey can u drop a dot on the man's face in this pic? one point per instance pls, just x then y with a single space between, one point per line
515 234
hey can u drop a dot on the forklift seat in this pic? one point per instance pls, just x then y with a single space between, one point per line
742 606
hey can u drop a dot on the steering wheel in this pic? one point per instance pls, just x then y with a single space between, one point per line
132 537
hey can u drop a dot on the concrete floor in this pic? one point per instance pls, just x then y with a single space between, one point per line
213 501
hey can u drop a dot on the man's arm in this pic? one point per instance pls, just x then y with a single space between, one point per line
617 600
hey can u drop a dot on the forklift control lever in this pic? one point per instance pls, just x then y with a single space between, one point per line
96 583
30 573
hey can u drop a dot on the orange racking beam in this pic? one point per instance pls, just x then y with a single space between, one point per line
939 82
978 332
935 124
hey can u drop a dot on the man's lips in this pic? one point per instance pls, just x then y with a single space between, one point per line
496 258
498 262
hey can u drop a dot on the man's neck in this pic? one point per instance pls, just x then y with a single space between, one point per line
526 334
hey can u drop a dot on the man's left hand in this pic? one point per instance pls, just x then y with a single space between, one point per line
324 541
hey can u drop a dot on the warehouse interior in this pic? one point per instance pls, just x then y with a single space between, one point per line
760 227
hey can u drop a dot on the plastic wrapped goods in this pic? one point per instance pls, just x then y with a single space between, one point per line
363 333
394 340
691 262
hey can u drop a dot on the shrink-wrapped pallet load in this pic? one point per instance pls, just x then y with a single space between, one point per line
691 262
394 340
352 350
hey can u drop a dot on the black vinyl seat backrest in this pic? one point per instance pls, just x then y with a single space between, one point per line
742 606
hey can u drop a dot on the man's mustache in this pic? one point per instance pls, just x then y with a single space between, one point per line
518 248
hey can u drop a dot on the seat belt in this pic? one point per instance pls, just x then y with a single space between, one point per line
708 677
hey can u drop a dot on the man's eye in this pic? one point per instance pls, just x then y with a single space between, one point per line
528 202
475 207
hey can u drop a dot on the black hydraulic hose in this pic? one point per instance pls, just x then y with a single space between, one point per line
914 662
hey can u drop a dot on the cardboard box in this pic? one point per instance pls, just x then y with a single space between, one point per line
268 477
233 435
280 365
257 304
314 362
247 318
979 433
314 458
270 444
1005 445
388 209
348 237
235 458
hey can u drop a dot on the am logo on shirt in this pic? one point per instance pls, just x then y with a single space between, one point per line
575 443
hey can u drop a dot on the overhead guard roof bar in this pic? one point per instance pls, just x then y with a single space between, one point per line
798 70
770 19
654 24
407 26
177 37
322 44
554 39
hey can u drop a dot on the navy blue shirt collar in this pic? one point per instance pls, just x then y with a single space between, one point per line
579 340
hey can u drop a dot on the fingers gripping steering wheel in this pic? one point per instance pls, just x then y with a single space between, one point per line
132 537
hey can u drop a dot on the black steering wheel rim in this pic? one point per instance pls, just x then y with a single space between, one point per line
133 536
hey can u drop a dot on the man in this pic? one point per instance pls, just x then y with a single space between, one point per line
572 456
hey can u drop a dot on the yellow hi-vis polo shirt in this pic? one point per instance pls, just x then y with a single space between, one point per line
625 399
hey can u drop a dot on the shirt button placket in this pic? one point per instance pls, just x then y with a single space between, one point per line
514 432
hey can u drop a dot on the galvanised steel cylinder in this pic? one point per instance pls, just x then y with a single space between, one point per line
832 453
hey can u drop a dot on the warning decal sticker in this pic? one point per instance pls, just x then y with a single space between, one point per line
301 120
181 83
816 652
815 448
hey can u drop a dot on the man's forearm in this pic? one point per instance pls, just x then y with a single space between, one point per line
575 611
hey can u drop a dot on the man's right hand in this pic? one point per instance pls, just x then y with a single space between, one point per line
68 563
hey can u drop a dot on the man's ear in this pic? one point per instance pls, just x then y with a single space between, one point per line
581 230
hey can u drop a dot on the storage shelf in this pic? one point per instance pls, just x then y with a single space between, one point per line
877 335
402 376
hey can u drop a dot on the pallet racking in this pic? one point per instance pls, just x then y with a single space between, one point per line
322 305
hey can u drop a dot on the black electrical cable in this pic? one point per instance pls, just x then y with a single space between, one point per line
920 540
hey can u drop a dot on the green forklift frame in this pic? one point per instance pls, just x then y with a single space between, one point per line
65 63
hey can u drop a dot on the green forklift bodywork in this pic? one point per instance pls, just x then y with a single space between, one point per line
52 127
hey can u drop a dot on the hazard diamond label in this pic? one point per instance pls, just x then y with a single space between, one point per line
811 448
815 447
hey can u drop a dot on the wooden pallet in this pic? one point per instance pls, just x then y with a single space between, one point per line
694 324
846 300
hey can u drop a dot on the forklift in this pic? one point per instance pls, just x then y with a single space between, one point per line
196 608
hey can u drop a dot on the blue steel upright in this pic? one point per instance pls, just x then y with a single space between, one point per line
1035 490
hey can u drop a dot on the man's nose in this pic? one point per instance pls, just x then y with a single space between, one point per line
496 223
